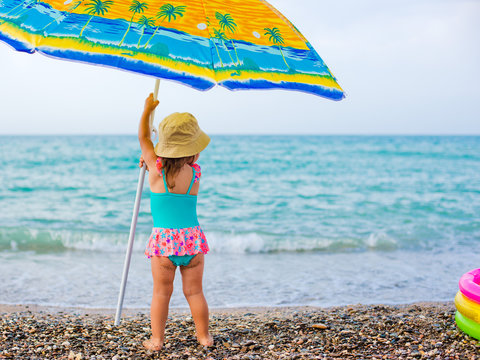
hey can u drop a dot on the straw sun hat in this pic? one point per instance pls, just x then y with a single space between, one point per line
179 136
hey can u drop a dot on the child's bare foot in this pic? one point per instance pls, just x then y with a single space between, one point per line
205 341
153 344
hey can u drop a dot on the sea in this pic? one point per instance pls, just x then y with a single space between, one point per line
290 220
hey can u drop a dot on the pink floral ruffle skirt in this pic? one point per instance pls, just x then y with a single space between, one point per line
179 242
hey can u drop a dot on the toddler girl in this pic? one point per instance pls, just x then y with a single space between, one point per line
177 238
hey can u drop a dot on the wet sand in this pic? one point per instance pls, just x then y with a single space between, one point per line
415 331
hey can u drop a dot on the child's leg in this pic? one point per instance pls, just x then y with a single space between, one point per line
163 273
192 289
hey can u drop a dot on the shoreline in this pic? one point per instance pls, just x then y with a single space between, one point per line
34 308
129 312
418 330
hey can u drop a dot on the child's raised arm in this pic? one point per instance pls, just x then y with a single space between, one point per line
144 135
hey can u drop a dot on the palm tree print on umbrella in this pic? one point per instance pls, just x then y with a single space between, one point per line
25 6
277 39
144 21
135 7
227 22
96 7
220 35
170 12
69 10
22 4
216 47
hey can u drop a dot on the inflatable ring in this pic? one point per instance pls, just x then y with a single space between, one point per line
467 325
470 285
467 307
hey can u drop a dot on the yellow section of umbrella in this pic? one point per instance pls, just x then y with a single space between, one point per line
249 16
467 307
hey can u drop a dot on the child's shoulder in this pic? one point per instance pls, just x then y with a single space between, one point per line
196 167
198 171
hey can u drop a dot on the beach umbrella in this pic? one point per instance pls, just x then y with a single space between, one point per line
237 44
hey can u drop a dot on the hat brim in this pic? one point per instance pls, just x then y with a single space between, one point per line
179 151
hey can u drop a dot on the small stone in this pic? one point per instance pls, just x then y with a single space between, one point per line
271 347
66 343
71 355
320 326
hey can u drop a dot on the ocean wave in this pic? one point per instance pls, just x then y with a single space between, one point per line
51 241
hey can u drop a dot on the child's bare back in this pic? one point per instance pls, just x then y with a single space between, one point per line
182 181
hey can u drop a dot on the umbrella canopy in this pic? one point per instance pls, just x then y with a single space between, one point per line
238 44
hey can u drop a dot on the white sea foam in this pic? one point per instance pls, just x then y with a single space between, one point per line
23 239
380 240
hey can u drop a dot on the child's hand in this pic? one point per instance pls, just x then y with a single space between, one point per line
150 104
141 162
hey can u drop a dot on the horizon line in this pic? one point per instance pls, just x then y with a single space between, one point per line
252 134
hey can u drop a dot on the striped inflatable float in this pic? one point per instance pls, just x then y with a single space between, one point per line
467 302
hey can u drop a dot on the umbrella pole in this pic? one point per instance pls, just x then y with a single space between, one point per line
133 225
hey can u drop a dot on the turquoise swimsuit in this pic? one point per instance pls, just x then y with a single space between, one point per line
176 231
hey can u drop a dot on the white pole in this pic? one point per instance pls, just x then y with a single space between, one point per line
133 225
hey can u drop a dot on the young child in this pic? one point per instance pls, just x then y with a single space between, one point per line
177 238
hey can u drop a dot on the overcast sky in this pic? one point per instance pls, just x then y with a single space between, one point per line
408 67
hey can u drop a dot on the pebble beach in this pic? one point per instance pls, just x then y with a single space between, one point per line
415 331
